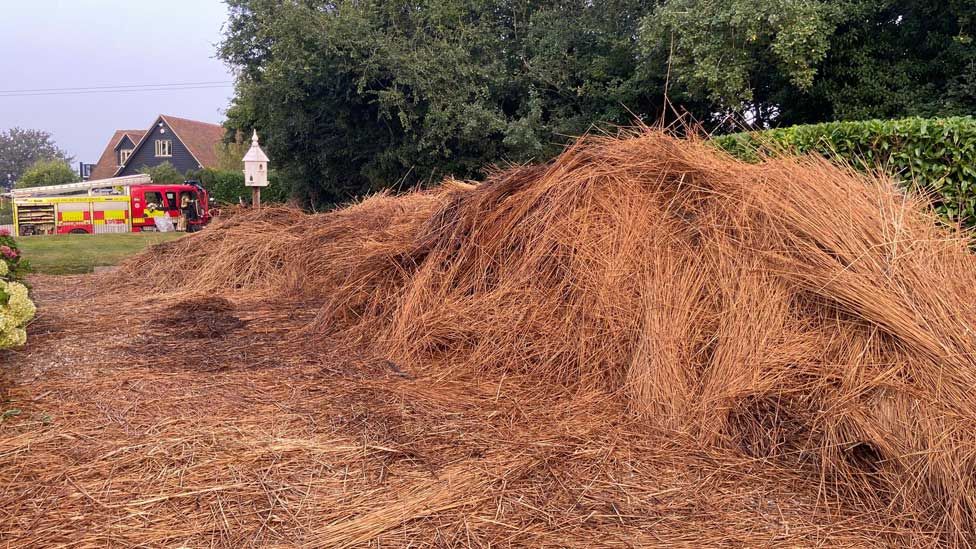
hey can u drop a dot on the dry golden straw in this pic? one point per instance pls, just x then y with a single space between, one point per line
642 343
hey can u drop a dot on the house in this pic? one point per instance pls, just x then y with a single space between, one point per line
84 170
186 144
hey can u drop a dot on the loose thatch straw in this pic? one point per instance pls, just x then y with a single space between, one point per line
573 342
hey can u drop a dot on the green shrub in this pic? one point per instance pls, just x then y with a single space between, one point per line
228 186
15 266
52 171
164 173
16 307
6 212
934 155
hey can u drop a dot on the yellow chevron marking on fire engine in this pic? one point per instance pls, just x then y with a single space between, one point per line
72 216
114 214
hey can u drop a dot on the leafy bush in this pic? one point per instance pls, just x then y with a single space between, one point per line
16 308
48 172
934 155
15 267
163 173
6 212
228 186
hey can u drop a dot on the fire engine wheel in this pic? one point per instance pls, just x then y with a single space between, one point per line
78 231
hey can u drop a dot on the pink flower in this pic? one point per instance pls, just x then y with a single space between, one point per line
8 252
4 232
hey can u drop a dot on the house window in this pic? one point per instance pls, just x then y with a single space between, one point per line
164 147
124 155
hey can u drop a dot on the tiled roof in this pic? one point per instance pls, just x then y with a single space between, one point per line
134 135
108 163
199 137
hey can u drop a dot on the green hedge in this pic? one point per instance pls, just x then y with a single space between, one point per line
227 187
938 155
6 212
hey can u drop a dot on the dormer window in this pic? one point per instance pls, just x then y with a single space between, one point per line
164 147
124 155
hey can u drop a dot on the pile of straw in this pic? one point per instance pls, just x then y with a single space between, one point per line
653 310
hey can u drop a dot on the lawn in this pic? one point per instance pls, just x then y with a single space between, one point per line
74 254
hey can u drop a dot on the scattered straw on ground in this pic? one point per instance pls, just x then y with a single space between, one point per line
644 343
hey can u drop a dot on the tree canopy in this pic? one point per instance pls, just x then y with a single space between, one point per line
794 61
352 96
48 172
356 96
20 148
164 172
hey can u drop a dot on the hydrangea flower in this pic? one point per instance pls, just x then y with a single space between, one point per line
16 307
13 338
14 314
19 306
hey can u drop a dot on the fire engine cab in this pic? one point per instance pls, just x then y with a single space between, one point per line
115 205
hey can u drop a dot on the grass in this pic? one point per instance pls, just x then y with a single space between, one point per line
76 254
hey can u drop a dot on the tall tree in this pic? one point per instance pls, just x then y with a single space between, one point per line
20 148
893 58
793 61
353 96
741 53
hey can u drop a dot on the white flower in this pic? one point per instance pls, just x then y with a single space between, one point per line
19 307
13 338
14 314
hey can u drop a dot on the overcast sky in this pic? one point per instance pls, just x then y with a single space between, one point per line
48 44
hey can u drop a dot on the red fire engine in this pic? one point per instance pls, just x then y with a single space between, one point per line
116 205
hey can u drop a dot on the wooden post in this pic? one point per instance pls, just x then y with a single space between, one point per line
256 198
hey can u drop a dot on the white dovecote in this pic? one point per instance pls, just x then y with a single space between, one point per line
255 165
